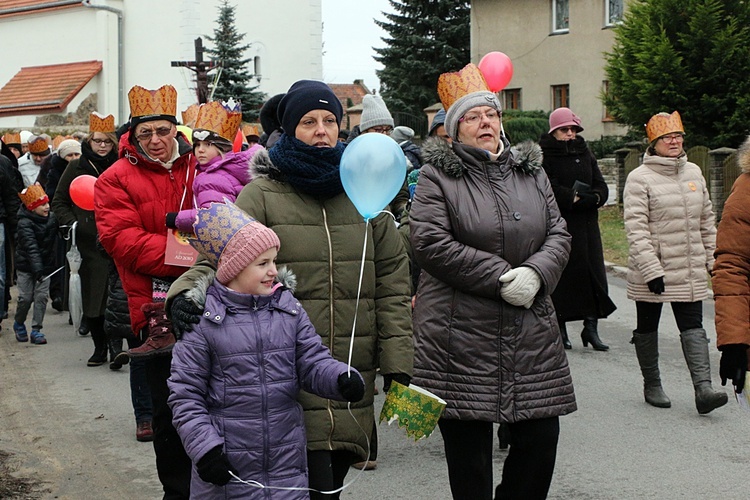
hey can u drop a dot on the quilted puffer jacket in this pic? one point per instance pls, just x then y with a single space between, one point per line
35 242
472 220
670 228
234 383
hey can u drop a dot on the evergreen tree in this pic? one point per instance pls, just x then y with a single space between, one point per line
235 79
427 38
692 56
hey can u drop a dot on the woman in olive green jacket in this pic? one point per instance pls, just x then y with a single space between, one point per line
296 191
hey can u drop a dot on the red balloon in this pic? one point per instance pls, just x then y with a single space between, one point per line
497 70
82 191
239 138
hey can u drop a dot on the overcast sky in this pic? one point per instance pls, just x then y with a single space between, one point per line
349 35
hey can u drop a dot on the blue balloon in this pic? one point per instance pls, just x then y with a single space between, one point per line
373 169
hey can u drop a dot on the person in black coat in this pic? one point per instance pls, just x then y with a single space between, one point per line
580 191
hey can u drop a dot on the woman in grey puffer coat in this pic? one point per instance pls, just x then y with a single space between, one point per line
488 235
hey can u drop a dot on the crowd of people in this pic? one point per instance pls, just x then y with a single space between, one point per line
253 363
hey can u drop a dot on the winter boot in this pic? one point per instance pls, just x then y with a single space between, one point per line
564 333
695 349
100 348
590 334
647 350
117 357
160 338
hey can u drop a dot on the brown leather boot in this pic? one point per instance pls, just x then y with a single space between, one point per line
160 338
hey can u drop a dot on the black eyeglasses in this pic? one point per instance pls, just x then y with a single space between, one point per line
145 135
102 142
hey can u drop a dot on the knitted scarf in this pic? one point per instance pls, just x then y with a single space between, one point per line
310 169
94 163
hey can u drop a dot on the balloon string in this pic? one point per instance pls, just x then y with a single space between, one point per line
356 307
256 484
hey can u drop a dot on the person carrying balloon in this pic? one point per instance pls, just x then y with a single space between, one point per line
256 349
486 230
74 202
297 191
221 172
35 261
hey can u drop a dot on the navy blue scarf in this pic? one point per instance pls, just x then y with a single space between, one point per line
310 169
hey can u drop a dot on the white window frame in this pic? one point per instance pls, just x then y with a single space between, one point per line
555 29
608 15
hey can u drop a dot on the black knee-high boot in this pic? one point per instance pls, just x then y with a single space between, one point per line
100 342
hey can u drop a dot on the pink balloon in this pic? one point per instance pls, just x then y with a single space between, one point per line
81 191
497 70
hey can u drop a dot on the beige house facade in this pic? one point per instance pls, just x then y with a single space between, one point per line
557 49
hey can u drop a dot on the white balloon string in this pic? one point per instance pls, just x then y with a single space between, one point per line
256 484
356 306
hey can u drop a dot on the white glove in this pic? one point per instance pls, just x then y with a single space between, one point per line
520 286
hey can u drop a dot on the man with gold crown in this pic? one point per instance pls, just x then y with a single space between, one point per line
153 176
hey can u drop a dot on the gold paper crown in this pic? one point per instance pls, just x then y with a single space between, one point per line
33 196
12 138
222 118
38 145
248 129
662 124
453 86
58 140
101 123
190 115
144 102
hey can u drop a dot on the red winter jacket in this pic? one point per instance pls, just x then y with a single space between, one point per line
131 200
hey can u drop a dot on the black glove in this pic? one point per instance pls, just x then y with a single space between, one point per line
214 467
586 200
171 220
351 387
401 378
733 365
184 314
656 285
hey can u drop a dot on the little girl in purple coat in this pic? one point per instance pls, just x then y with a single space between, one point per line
236 376
222 173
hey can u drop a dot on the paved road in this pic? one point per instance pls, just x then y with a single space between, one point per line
72 427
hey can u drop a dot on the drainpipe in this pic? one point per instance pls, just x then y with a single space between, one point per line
120 73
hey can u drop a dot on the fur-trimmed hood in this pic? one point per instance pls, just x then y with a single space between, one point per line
197 294
525 157
743 156
262 166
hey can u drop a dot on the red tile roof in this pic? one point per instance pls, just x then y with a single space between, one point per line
344 91
11 7
45 89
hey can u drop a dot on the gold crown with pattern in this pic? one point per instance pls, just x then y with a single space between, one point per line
248 129
222 118
190 115
662 124
101 123
38 145
59 139
33 196
12 138
453 86
144 102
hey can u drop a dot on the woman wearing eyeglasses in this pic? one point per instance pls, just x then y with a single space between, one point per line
98 152
580 191
489 238
672 237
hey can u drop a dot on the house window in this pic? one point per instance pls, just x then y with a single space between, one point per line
613 12
512 99
607 115
560 96
559 16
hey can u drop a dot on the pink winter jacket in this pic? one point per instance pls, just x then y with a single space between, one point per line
222 178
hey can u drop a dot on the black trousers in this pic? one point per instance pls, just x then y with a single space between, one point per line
688 315
327 470
172 463
528 468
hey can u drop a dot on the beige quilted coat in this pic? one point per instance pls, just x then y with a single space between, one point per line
670 229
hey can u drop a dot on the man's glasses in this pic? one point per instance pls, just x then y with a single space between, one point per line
145 135
474 118
381 130
103 142
671 138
